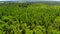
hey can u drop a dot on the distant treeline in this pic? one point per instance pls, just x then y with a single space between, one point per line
24 4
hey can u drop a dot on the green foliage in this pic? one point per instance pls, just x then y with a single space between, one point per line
29 19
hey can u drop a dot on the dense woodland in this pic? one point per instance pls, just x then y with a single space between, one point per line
27 18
